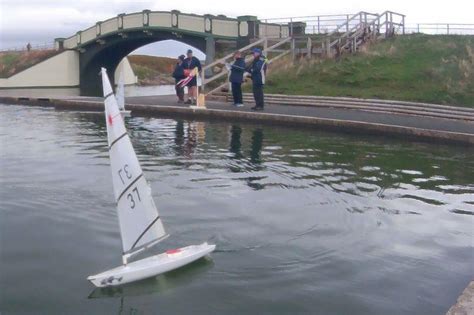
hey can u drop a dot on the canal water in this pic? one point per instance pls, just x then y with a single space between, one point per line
305 222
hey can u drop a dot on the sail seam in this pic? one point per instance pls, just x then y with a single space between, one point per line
116 140
108 95
143 233
128 187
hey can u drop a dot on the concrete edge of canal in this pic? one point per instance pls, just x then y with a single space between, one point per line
348 126
465 303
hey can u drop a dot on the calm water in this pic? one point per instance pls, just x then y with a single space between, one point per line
305 222
130 90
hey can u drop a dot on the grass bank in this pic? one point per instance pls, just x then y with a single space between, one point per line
13 62
422 68
152 70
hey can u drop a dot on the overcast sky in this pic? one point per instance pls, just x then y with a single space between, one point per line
40 21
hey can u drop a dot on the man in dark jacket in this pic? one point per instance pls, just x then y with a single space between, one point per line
236 78
190 63
178 75
258 70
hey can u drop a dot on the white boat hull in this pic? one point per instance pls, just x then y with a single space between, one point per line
151 266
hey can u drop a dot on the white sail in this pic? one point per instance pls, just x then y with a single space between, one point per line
140 223
120 93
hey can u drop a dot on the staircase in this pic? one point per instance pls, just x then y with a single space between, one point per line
367 105
346 37
273 48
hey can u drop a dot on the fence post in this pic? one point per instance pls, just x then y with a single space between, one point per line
391 24
318 25
403 24
308 48
418 28
291 27
328 46
203 82
347 23
447 29
293 48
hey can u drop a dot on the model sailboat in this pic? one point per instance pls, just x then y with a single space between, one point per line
120 95
140 224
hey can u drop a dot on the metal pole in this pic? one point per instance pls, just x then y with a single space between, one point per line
308 47
447 28
318 25
293 49
347 23
203 81
291 27
418 27
391 23
328 47
403 25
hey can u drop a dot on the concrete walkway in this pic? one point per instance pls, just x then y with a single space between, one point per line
331 113
326 118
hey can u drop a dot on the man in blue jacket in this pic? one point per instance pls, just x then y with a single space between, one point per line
189 64
178 75
258 71
236 78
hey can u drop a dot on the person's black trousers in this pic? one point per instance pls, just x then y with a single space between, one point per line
180 92
258 95
237 93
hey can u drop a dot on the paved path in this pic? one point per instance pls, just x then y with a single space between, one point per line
320 112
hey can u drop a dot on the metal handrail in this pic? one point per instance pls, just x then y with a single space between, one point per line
222 60
44 46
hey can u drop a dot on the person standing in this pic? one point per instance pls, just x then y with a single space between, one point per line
236 78
178 75
190 63
257 72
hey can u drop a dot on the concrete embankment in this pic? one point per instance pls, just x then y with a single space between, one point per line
434 129
465 302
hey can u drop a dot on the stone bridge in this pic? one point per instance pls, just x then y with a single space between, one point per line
107 42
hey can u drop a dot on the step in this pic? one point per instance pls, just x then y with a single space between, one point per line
373 107
349 100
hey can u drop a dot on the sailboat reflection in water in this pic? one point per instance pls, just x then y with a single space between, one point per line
141 226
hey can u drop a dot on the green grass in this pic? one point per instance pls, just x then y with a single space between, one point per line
152 70
423 68
14 62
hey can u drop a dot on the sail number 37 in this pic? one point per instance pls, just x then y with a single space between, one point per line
131 198
134 195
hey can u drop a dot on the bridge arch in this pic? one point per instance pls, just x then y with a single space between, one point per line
110 53
107 42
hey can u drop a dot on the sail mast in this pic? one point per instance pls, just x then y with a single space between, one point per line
139 220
